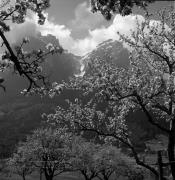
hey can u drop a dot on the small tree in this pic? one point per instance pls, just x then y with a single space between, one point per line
111 161
82 158
20 163
48 151
105 160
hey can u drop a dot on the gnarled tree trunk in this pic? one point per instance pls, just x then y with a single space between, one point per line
171 145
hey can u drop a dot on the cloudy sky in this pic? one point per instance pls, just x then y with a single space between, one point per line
77 29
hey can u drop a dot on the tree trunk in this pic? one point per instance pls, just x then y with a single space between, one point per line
171 144
105 177
48 176
40 177
23 177
86 178
85 175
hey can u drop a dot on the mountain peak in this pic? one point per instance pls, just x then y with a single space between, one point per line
108 50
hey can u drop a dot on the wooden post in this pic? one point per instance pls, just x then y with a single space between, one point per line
160 165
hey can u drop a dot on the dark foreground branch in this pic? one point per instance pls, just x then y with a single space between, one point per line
122 140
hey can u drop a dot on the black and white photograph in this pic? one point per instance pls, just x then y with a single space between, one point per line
87 90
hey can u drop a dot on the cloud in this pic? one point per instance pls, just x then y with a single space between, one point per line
121 24
19 31
85 19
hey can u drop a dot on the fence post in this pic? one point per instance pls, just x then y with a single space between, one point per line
160 165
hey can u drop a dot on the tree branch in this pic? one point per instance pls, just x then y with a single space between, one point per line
164 57
13 57
150 119
138 161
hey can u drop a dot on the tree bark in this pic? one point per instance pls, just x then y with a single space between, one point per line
105 177
13 57
48 176
23 177
85 175
41 174
171 145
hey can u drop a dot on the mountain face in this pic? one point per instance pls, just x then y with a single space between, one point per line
109 51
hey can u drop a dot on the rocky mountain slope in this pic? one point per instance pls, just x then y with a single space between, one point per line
110 51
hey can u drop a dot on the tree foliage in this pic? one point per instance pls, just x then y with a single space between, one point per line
101 161
111 161
82 158
110 7
147 85
54 151
47 151
20 163
23 63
